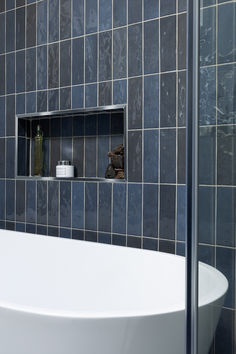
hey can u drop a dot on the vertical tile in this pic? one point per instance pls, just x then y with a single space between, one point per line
2 158
65 19
10 115
104 213
91 95
168 156
91 58
31 26
182 5
90 157
31 102
77 97
105 93
65 63
105 15
150 244
2 6
67 126
105 49
2 33
10 200
119 208
120 92
181 161
208 36
207 155
78 156
208 96
150 210
10 4
134 242
2 116
168 100
104 238
151 101
31 69
78 18
103 160
90 236
20 71
90 206
135 156
167 246
53 203
20 200
30 201
42 22
41 202
20 28
225 337
134 209
226 152
182 32
66 149
65 98
135 88
207 215
65 204
2 73
151 47
77 234
181 213
206 254
10 158
55 155
167 7
53 100
78 205
10 73
10 31
91 16
226 29
119 240
78 61
151 156
42 67
134 11
168 43
167 211
226 217
119 13
120 53
53 24
135 50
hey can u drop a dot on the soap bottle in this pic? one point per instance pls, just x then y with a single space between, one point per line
38 152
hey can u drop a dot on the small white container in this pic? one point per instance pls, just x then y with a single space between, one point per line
64 169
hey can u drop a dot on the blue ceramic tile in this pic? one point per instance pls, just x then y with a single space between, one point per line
78 126
168 43
151 47
90 206
30 201
20 201
105 51
10 31
103 121
226 152
41 101
20 71
134 242
118 240
91 95
208 36
10 157
167 211
65 204
105 15
2 6
90 157
206 254
151 9
20 227
102 158
225 337
53 20
53 100
134 209
91 59
208 96
120 53
151 101
53 65
2 200
78 156
78 18
53 231
226 217
77 234
2 34
53 203
225 263
104 238
2 73
119 208
41 202
65 63
31 102
65 233
31 69
104 214
151 148
180 249
31 228
77 97
150 210
42 67
168 100
182 33
2 116
135 50
226 94
22 157
78 205
42 22
10 226
10 73
67 126
134 11
181 160
41 230
31 26
20 28
226 29
20 104
167 246
90 236
168 156
135 107
167 7
91 16
150 244
66 149
120 92
10 200
78 61
2 225
65 19
65 98
2 158
135 156
207 215
117 123
105 94
119 13
10 115
116 140
10 4
181 213
90 125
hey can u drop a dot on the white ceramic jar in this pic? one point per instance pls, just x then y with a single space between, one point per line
64 169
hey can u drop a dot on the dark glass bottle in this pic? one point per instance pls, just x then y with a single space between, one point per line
38 152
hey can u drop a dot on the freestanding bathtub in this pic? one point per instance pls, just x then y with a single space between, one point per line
60 296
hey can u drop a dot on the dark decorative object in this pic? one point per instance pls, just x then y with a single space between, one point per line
116 168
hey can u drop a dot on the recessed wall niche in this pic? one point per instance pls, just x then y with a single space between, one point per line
83 137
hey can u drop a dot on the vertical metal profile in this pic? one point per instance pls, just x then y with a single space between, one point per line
192 110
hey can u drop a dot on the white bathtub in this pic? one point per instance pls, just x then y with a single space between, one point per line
60 296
